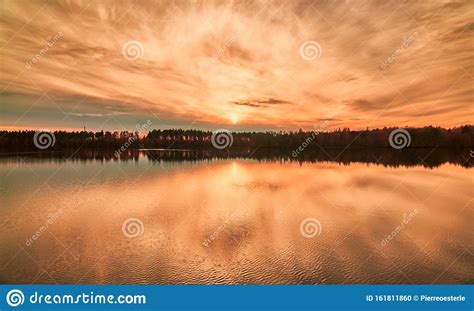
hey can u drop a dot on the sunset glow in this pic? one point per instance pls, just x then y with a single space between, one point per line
241 64
235 118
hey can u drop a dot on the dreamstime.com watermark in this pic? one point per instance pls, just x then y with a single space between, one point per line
44 139
50 42
70 204
50 221
310 227
133 50
406 42
399 139
406 219
310 50
219 229
133 227
222 139
140 129
16 297
310 139
219 52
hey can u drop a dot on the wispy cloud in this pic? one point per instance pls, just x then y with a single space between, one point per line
256 62
261 102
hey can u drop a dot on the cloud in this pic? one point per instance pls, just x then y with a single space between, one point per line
261 102
206 62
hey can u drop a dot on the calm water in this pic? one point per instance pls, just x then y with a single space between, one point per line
233 221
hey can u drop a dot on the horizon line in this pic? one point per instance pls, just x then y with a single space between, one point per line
315 128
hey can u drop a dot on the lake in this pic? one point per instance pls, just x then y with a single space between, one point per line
224 221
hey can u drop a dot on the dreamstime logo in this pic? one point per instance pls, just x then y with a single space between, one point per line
310 227
50 42
134 137
50 221
220 229
132 50
399 139
406 219
406 42
15 298
219 53
222 139
44 139
310 50
310 139
132 228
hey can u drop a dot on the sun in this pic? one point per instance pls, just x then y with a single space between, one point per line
234 118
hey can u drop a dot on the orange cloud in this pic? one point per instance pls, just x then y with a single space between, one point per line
276 64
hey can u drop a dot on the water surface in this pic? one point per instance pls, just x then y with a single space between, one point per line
233 221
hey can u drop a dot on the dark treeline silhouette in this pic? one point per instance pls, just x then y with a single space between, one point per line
289 142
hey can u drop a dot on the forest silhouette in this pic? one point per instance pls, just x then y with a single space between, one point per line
425 137
429 146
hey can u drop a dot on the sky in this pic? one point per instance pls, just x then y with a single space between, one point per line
239 65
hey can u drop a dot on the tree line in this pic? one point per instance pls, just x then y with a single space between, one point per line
425 137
